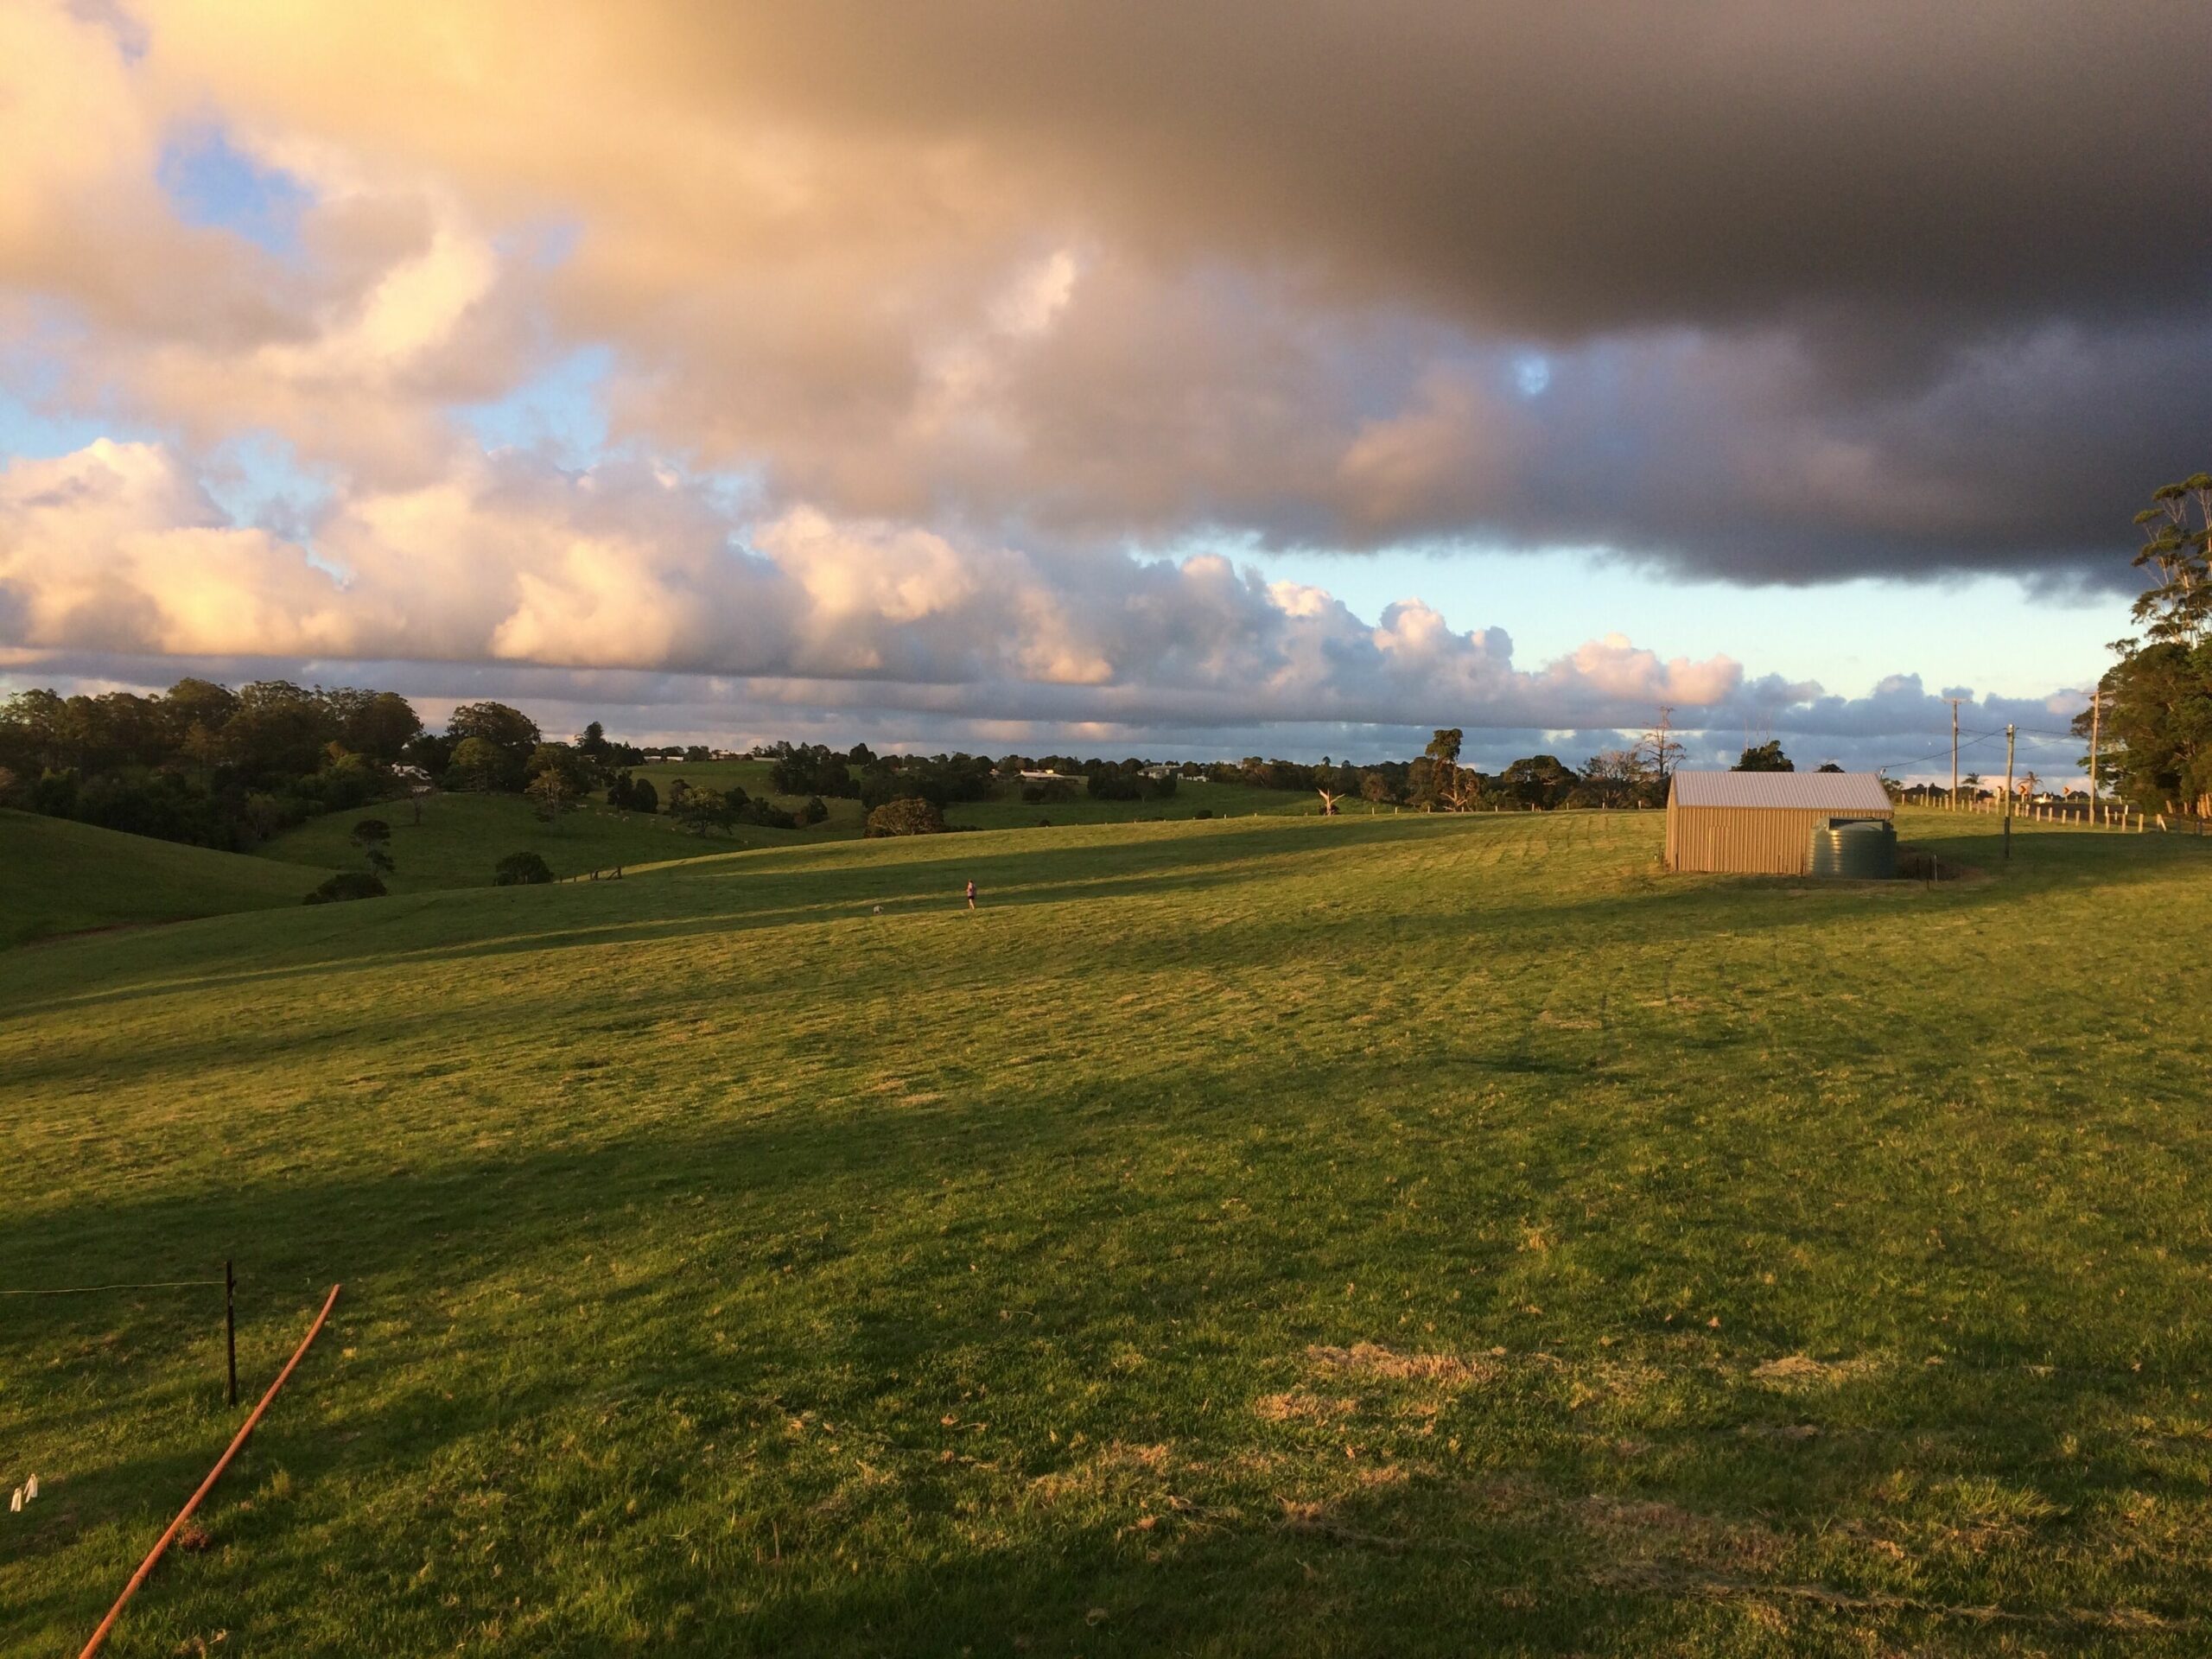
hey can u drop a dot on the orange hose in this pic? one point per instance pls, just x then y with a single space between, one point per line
214 1475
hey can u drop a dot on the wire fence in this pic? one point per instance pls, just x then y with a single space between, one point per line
151 1284
228 1284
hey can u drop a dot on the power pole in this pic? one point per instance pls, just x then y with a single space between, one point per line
1955 754
2096 716
2008 793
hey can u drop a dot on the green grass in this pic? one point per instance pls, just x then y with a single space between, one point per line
1007 811
462 836
1395 1236
64 877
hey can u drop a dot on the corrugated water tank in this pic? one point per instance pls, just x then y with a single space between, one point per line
1857 849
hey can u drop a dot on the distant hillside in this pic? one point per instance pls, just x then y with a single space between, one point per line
63 877
462 836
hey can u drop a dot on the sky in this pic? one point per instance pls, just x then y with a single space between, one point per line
1224 379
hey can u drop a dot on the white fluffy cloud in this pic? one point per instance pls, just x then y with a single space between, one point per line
114 548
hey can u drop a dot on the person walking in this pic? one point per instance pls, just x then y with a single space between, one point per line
971 895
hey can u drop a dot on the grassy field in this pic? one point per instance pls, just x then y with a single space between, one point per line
1387 1235
64 877
1007 811
463 837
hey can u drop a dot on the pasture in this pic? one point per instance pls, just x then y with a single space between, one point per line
1391 1235
463 836
68 878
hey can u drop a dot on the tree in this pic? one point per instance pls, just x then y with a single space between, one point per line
1539 780
700 810
1613 778
2155 728
497 724
1439 785
2177 528
521 870
478 763
1659 749
1827 766
380 724
552 791
346 885
905 817
374 837
644 797
1766 757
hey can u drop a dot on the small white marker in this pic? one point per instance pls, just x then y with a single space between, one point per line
16 1503
31 1489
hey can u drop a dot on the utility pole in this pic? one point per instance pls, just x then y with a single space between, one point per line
2097 715
2008 793
1955 754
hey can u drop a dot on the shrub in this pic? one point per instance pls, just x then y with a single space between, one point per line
347 884
1202 813
1048 794
814 812
905 818
521 870
1916 865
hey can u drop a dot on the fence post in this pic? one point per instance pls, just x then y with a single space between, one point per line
231 1325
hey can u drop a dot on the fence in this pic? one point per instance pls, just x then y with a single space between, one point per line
2115 816
228 1284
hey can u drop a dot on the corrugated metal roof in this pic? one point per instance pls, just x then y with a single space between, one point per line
1816 792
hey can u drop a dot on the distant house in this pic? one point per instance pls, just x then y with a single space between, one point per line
1049 778
1761 823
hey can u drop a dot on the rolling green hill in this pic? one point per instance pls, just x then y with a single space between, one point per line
1388 1236
62 878
462 836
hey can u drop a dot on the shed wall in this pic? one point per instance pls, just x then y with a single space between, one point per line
1747 840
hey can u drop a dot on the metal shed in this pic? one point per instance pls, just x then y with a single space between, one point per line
1761 823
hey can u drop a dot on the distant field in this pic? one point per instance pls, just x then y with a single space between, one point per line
60 877
1007 811
1393 1235
463 837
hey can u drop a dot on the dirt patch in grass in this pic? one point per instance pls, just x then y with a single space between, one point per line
1647 1530
1803 1373
1299 1406
1372 1359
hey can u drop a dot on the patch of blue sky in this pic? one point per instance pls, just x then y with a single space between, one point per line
210 181
256 478
559 411
30 431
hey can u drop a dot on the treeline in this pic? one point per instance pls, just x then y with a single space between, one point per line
204 764
859 773
2154 725
1434 781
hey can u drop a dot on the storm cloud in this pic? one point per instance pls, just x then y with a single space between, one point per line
964 329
